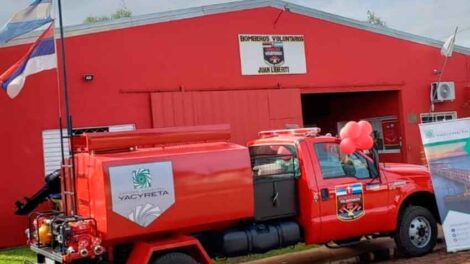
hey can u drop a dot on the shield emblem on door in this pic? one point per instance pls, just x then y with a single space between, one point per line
273 53
349 202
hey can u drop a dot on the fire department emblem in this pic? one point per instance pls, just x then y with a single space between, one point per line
349 202
273 53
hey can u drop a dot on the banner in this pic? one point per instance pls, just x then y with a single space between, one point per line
272 54
447 148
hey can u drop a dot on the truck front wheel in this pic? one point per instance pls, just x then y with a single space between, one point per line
173 258
417 231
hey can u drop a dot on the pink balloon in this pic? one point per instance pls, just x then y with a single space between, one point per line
347 146
365 126
350 130
364 142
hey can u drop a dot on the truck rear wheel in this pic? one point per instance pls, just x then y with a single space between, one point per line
417 231
173 258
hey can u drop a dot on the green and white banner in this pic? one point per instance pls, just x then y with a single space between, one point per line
447 148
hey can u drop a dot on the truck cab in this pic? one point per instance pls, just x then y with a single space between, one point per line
340 197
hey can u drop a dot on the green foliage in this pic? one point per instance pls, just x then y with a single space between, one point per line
95 19
120 13
373 19
16 255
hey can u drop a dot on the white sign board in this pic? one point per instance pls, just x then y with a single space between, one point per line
447 148
272 54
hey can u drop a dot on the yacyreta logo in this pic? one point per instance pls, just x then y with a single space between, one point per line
429 133
142 192
141 178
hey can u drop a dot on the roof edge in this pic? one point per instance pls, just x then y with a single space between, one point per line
142 20
302 10
193 12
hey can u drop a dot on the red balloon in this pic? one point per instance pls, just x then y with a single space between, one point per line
347 146
364 142
365 126
350 130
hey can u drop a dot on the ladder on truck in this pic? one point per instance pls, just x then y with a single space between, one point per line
67 167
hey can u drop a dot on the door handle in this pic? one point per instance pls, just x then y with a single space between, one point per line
315 197
275 197
325 194
373 187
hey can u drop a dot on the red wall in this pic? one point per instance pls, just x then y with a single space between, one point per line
202 54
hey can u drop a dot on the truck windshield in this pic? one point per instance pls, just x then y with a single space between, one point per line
274 160
335 164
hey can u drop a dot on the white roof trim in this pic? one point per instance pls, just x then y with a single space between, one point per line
237 6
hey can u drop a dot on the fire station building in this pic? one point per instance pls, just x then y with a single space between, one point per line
255 64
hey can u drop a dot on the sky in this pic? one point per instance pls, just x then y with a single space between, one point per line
431 18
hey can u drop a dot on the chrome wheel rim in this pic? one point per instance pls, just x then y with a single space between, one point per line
420 232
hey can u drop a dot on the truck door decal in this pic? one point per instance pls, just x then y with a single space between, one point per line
349 202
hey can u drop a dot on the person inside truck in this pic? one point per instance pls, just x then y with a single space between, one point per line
348 165
336 164
275 160
288 159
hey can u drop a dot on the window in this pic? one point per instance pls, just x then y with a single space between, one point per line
334 164
437 116
51 143
387 133
274 160
79 131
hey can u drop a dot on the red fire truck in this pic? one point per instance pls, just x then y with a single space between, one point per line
186 195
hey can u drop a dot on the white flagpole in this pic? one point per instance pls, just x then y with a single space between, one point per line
447 54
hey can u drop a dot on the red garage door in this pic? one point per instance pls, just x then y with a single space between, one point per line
247 112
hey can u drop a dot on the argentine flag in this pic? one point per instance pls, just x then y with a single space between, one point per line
40 57
356 188
38 13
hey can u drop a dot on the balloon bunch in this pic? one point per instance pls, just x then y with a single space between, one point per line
356 136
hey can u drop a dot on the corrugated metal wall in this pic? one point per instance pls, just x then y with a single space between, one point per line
247 112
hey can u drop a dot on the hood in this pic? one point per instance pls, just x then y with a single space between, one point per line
406 169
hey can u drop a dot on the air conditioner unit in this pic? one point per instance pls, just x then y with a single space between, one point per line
442 91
